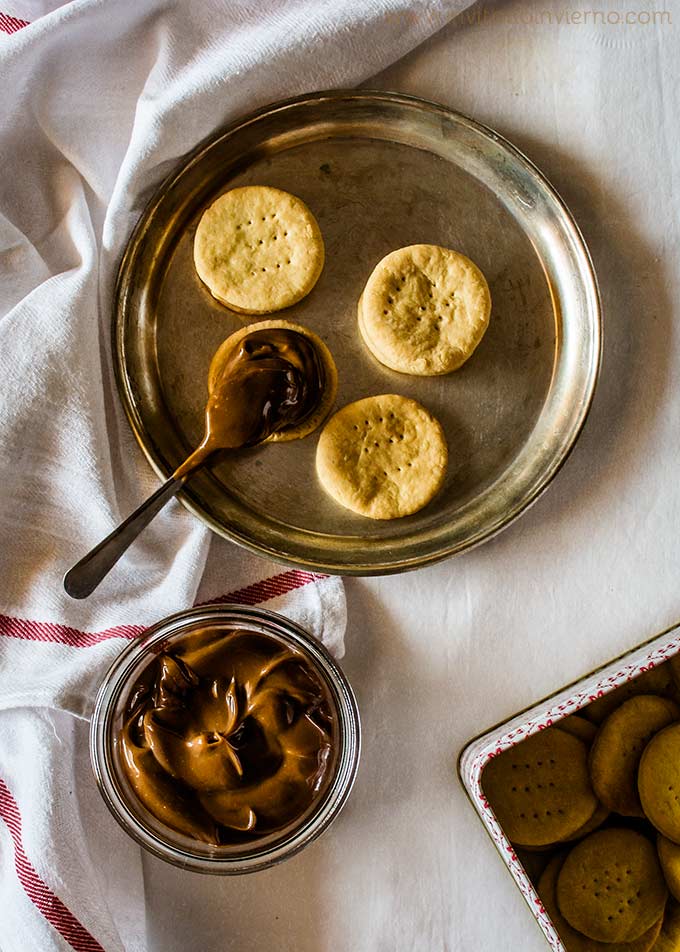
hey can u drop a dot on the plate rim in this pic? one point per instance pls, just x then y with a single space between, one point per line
188 498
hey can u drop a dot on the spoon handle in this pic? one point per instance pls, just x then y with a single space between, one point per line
81 580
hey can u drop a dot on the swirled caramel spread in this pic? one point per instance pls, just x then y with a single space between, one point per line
229 736
270 380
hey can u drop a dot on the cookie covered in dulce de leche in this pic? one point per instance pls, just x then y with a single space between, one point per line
322 368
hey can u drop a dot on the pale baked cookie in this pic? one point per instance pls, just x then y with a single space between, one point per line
382 457
669 857
540 789
424 310
574 941
611 887
659 782
258 249
330 372
618 746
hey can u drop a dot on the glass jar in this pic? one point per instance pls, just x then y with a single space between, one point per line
178 848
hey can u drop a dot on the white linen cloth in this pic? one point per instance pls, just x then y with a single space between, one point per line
100 100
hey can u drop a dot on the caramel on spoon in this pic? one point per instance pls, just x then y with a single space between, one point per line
268 381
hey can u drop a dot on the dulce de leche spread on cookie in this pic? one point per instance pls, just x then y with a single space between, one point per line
228 736
268 381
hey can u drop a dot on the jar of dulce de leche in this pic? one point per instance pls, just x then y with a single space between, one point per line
225 739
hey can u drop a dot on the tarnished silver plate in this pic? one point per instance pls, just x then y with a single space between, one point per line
379 170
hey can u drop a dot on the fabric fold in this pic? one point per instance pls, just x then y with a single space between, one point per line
101 101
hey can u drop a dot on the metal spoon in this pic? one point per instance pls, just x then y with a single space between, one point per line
255 386
81 580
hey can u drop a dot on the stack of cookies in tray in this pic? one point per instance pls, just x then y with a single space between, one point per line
592 806
423 312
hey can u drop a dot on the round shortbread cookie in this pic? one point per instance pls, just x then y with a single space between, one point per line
540 789
617 749
578 727
611 887
424 310
669 857
659 782
382 457
596 820
574 941
658 680
669 937
258 249
316 418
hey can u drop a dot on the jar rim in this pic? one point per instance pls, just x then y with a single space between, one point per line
261 854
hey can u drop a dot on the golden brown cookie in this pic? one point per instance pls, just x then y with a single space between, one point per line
572 940
578 726
540 789
596 820
382 457
669 857
669 937
585 731
316 418
611 887
616 751
658 680
258 249
424 310
659 782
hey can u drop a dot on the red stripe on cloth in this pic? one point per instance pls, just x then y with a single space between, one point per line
52 908
9 24
48 631
268 588
62 634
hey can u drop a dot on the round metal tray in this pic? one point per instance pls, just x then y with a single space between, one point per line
379 170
